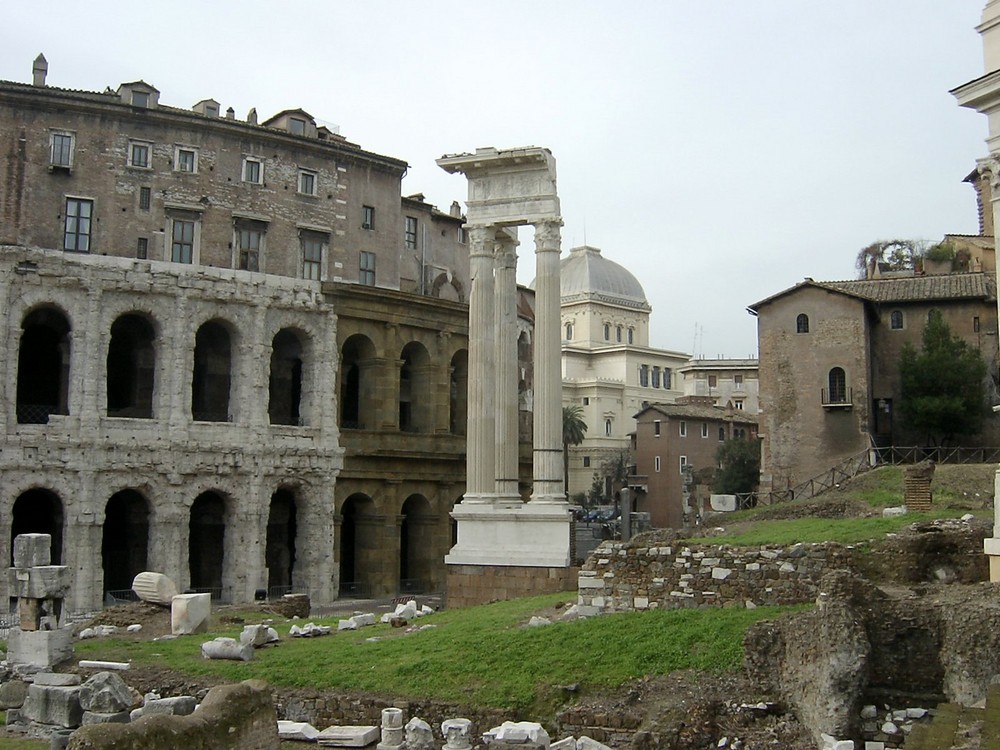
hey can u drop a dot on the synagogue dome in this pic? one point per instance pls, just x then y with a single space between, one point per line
587 275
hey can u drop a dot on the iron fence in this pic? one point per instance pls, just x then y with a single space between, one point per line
355 590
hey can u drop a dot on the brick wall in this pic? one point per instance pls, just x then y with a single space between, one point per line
469 585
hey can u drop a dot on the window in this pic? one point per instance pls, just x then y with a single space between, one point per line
683 463
739 433
367 217
656 464
722 434
618 334
253 171
704 429
896 320
296 126
586 462
410 234
145 195
738 382
142 248
682 428
975 324
140 99
838 386
713 381
607 332
76 237
586 400
61 151
185 160
182 236
802 323
249 243
461 235
607 426
656 427
644 376
656 377
569 331
312 255
666 378
139 154
307 182
366 271
631 336
738 404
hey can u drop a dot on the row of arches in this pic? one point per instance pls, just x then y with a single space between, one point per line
129 524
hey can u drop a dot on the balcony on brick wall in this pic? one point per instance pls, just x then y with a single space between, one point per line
837 399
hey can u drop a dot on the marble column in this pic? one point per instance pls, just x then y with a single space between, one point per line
505 367
548 448
480 438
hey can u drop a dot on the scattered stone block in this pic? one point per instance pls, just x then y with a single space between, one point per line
893 512
272 635
419 735
13 693
41 582
179 705
134 628
524 734
457 734
154 587
255 635
364 620
53 704
589 743
189 613
347 736
119 666
95 717
40 648
392 729
56 679
227 648
537 621
297 730
105 693
32 550
347 625
406 611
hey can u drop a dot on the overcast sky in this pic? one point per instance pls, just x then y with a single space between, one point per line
721 151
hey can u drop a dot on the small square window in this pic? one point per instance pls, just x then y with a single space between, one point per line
738 381
713 381
253 171
139 154
142 248
366 271
586 400
586 462
307 182
367 217
738 404
185 160
682 429
145 195
140 99
296 126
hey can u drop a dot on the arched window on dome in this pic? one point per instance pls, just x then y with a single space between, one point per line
618 334
607 332
569 331
631 336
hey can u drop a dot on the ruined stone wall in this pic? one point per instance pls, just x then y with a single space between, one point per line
83 457
232 717
619 577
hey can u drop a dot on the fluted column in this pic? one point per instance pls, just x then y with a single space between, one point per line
547 459
480 436
505 366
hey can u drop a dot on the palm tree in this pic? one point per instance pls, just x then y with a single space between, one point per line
574 429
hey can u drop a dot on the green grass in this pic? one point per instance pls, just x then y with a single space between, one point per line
10 743
843 530
479 655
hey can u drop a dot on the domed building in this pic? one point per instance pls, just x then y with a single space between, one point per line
608 365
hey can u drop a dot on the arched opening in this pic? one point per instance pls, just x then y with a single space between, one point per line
356 388
414 389
38 511
207 543
212 374
285 386
802 323
43 366
356 543
838 386
416 546
458 393
130 366
125 539
279 552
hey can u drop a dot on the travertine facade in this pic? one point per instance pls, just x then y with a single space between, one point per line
236 354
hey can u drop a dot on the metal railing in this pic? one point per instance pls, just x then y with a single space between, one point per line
35 413
119 596
837 397
216 593
355 590
412 586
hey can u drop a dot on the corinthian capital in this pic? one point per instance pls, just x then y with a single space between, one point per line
480 240
547 235
990 167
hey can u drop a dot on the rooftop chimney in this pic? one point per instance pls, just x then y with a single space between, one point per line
230 114
39 70
456 210
252 116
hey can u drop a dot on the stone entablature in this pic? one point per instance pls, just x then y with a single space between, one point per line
623 578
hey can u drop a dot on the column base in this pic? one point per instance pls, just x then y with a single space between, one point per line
991 547
526 535
469 585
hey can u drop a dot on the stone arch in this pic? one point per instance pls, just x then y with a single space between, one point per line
416 545
357 383
357 541
447 286
279 550
285 380
415 389
211 378
43 364
38 511
458 393
131 364
125 539
207 543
